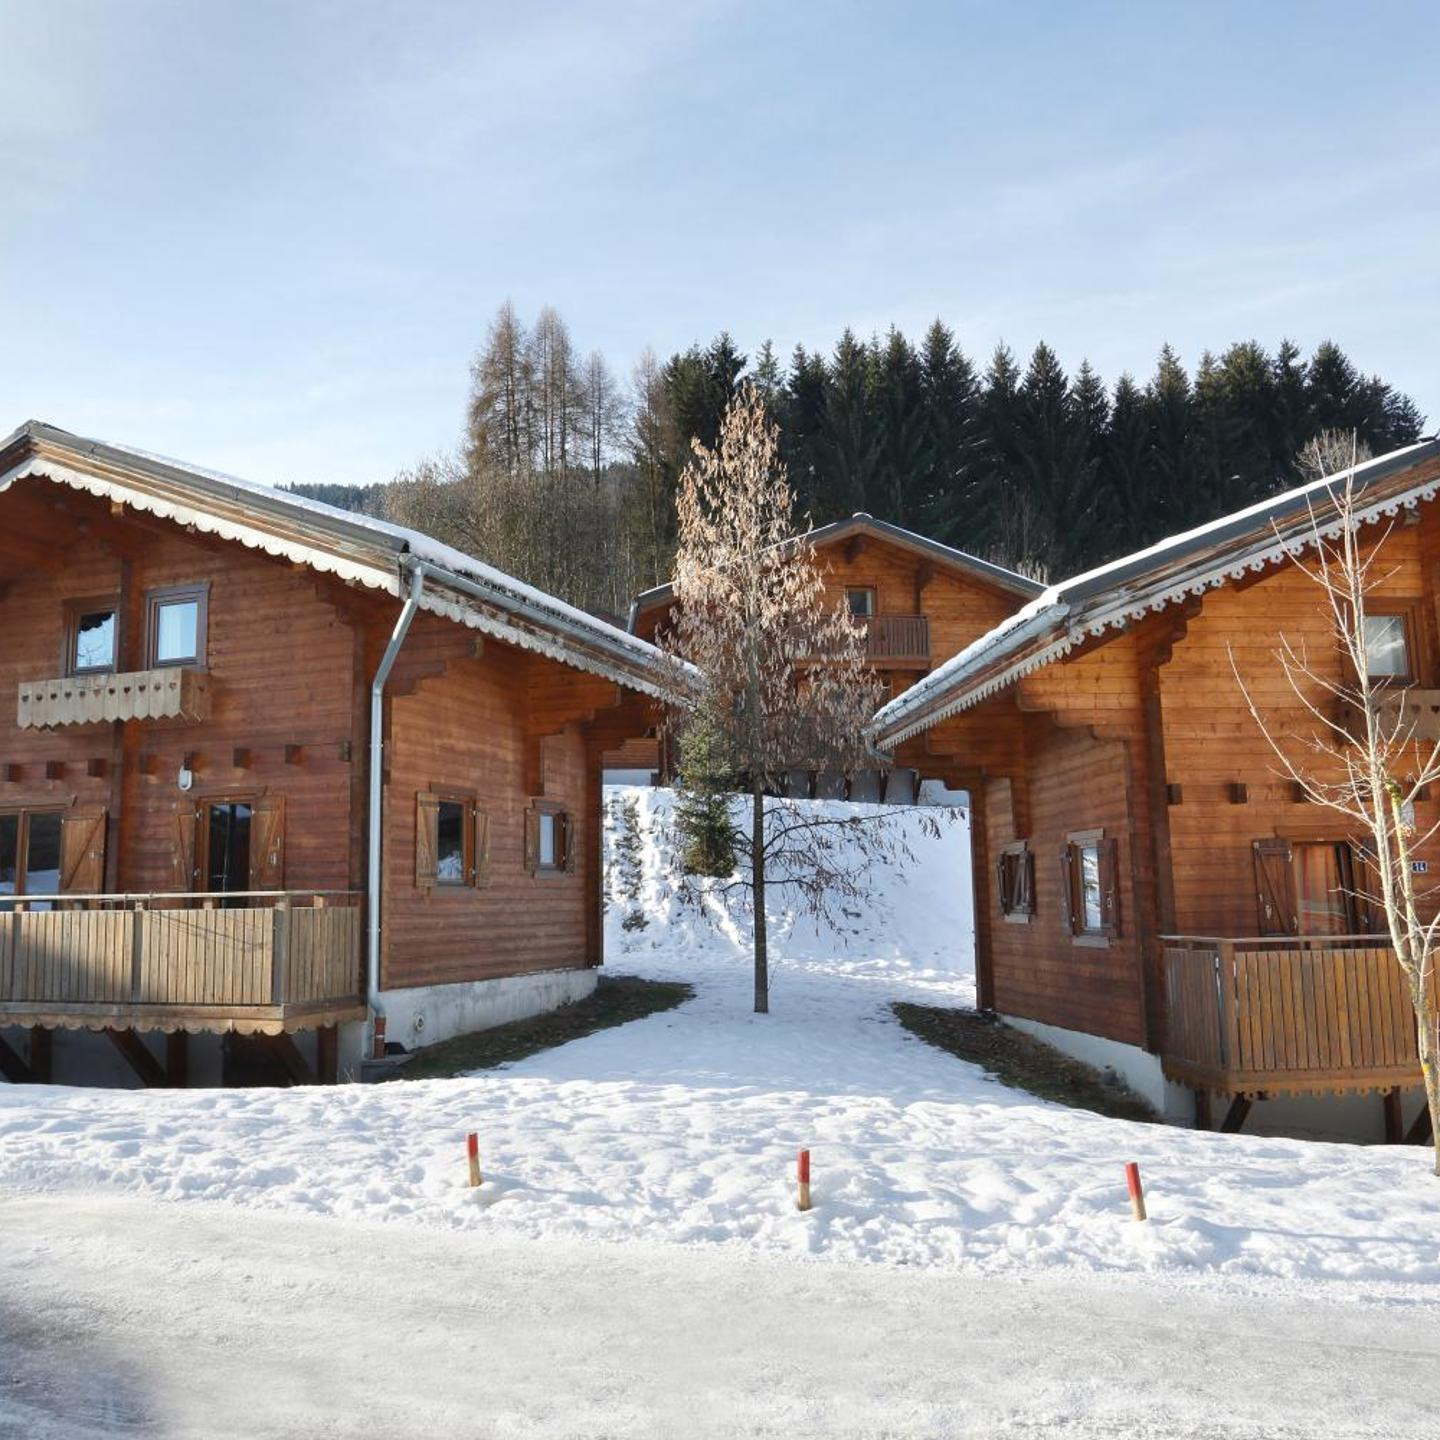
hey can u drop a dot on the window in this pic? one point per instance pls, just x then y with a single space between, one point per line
549 841
452 865
1387 648
1016 880
1089 887
91 637
30 853
860 600
452 840
176 621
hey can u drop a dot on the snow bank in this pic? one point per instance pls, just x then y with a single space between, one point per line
682 1128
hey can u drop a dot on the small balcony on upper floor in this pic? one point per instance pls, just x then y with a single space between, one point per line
897 640
170 692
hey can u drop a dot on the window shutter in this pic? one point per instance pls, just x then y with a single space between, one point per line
1275 887
427 836
1025 899
566 827
267 843
532 839
482 846
1001 889
1367 901
182 860
1110 887
82 852
1067 888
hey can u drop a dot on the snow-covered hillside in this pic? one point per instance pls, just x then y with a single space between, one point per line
917 916
682 1129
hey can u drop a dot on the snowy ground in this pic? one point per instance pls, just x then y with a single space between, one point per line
675 1137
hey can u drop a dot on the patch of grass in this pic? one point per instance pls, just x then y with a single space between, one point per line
617 1000
1021 1061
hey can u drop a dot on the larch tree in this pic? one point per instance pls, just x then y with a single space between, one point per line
783 679
1364 754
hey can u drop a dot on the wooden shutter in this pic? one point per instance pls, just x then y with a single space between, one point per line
532 840
183 875
1067 888
1275 887
1363 883
1002 890
565 833
482 845
427 837
267 843
1025 882
82 852
1109 887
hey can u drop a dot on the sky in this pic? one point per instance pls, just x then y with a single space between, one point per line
268 238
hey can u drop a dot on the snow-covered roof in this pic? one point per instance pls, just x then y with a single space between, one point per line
1112 595
358 548
862 524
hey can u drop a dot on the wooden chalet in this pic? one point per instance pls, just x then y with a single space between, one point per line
277 773
1150 894
920 602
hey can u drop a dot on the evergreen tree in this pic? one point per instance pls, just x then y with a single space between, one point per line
904 458
956 447
852 443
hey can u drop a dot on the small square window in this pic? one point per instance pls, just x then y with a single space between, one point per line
176 627
548 839
1090 887
861 602
1387 648
92 641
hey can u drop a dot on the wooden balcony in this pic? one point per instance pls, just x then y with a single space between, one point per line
174 692
265 963
1287 1016
897 639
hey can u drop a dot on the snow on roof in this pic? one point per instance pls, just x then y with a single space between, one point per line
393 541
1090 588
822 534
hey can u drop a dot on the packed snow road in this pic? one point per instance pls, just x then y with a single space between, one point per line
120 1317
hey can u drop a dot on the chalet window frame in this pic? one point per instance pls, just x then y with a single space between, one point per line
474 839
22 815
565 848
1015 882
869 592
1406 612
1072 887
75 611
1278 889
155 601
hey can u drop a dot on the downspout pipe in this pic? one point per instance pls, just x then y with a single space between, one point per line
376 1012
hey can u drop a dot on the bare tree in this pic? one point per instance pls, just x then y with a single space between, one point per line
501 414
783 669
1331 452
1364 756
602 412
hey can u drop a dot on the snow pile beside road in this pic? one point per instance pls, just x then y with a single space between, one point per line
683 1127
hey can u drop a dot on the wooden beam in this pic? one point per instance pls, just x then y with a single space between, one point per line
41 1054
285 1050
1394 1123
12 1067
97 767
1421 1131
242 758
54 769
177 1059
327 1054
1239 793
1236 1115
138 1057
1203 1119
1174 794
294 754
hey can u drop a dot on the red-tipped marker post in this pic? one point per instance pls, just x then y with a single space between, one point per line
472 1149
1137 1191
802 1181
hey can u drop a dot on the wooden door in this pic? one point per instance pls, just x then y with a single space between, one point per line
1324 905
82 852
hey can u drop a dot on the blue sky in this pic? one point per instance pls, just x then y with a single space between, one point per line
268 237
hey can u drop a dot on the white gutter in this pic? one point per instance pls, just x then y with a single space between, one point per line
377 776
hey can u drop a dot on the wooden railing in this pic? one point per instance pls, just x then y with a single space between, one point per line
172 692
1276 1014
207 961
898 638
